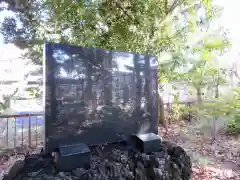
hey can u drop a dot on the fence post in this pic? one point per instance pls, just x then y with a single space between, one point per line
7 134
36 133
29 131
22 132
15 132
15 137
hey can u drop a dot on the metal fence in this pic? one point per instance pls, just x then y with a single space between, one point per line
21 130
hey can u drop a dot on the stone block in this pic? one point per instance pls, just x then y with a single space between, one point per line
73 156
147 143
16 168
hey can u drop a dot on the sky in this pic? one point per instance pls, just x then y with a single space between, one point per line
229 20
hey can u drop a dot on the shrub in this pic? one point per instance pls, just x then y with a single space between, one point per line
234 125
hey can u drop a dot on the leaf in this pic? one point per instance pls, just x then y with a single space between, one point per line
206 55
208 6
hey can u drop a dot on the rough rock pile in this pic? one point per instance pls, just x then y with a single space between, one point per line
170 163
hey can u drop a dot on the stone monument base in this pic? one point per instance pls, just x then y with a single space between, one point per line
170 162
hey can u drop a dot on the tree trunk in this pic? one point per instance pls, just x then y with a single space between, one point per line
117 88
161 114
125 92
148 84
138 81
199 95
88 73
89 85
133 86
107 76
217 87
215 118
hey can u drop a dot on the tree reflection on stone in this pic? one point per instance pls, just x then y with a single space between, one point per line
94 95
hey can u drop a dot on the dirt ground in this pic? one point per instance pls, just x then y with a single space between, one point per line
212 160
218 160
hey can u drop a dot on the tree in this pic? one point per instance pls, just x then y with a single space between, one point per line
5 103
129 25
198 66
146 27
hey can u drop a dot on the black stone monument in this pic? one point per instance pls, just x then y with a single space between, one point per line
95 96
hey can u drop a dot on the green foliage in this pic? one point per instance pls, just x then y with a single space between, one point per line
234 110
234 125
194 62
34 92
219 107
209 108
5 100
3 106
176 109
147 27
